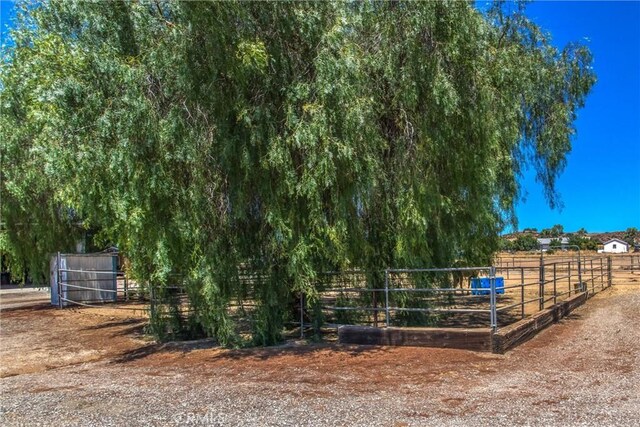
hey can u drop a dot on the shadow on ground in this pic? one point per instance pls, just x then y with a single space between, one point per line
293 349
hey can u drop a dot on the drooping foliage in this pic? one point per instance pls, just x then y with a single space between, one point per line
206 138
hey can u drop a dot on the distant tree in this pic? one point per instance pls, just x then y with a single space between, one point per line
506 245
630 235
555 243
575 240
530 230
555 231
589 244
525 242
582 232
583 242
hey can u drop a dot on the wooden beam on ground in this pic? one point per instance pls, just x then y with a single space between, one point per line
567 306
477 339
515 334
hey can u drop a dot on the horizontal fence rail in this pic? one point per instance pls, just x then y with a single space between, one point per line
419 297
96 288
447 297
462 297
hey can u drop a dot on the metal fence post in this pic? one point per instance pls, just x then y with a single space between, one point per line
386 296
301 315
609 274
593 280
152 303
522 291
569 276
59 279
375 308
492 299
541 285
555 287
583 286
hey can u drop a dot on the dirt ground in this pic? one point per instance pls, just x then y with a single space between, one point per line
95 367
12 296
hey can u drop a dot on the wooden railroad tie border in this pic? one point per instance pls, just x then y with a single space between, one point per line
515 334
476 339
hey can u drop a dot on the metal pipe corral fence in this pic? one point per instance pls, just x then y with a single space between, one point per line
446 297
456 297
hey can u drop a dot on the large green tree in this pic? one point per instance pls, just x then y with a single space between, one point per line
288 138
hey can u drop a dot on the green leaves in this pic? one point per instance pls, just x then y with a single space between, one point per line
289 138
253 55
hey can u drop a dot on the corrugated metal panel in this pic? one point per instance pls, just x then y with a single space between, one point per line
93 278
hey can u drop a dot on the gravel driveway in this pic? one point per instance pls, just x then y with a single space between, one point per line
78 367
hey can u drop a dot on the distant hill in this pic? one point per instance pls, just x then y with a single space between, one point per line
608 235
599 237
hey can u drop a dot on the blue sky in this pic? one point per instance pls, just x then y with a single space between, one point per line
7 11
600 187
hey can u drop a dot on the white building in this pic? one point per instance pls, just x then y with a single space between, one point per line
615 246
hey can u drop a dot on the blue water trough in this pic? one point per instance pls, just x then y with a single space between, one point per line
482 285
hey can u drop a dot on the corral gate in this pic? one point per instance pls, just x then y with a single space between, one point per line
83 278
